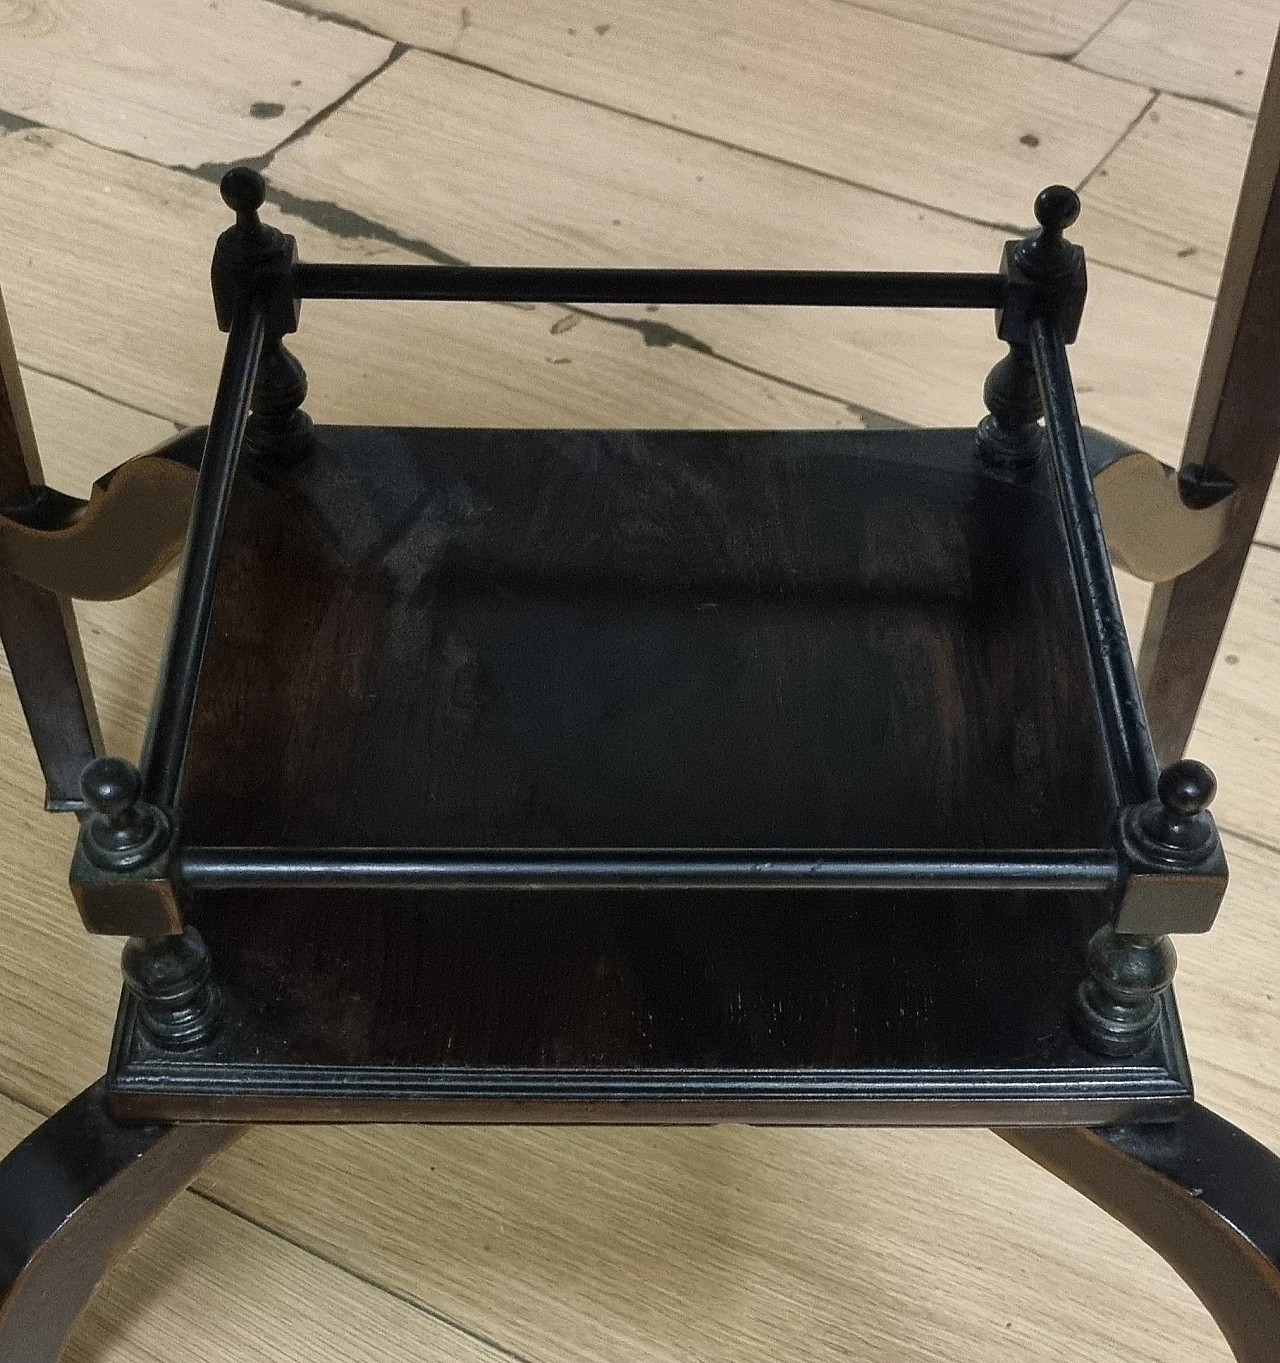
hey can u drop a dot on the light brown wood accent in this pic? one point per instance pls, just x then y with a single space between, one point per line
1234 430
82 434
842 90
183 83
38 625
1150 531
127 535
1162 204
1213 52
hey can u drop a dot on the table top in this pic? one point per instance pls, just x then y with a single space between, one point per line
646 639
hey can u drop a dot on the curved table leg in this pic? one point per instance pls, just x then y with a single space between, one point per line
1202 1194
73 1197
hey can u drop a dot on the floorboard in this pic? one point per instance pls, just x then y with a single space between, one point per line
880 135
961 125
1051 29
1162 204
1217 53
183 83
208 1284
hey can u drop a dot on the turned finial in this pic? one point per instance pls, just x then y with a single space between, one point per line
245 191
1048 252
111 788
122 830
1175 826
1056 208
1186 788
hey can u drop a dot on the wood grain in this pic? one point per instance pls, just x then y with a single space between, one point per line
1235 733
551 639
724 1242
81 436
38 626
1162 205
585 192
229 1289
646 639
19 455
149 332
184 83
1217 53
1233 430
721 1242
962 125
1039 26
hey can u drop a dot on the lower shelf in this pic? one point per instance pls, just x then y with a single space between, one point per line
823 1008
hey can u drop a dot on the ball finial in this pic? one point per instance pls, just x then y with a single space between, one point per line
1047 255
122 831
1174 828
243 189
1187 788
111 787
1057 208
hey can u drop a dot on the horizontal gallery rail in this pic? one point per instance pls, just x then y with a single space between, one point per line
377 868
521 284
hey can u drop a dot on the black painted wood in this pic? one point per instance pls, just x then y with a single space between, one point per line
588 639
868 1009
679 639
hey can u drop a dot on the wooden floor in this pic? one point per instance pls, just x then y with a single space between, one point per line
891 133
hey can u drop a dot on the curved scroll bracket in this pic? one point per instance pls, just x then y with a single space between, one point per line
1159 522
73 1196
1199 1191
121 540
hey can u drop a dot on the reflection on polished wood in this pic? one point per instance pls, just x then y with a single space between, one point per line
1154 531
128 533
329 1244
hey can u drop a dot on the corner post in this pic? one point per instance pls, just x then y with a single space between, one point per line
1044 271
1175 877
123 872
278 431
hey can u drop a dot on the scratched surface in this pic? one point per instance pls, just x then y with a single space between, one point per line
664 639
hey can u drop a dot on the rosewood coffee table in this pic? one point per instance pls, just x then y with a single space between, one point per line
625 776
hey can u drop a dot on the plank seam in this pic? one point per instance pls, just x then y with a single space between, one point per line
258 162
106 397
344 222
1252 839
394 1293
1119 142
212 170
1064 56
1097 32
397 1294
